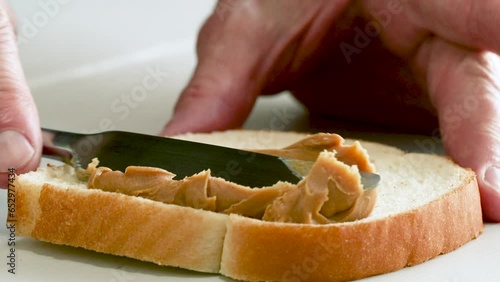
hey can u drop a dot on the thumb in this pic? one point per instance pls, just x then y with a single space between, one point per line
465 87
224 86
20 137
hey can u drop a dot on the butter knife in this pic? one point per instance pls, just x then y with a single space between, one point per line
119 149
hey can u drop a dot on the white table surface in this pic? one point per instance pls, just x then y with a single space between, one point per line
87 56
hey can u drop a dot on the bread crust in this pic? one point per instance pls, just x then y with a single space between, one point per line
129 226
265 251
245 248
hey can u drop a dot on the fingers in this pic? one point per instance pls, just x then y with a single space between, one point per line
20 137
255 47
223 88
10 13
465 87
469 22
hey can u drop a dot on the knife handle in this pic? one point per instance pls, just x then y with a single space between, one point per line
58 145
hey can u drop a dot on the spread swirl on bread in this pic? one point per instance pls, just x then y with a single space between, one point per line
330 192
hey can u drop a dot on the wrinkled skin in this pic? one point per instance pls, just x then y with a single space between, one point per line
433 64
17 108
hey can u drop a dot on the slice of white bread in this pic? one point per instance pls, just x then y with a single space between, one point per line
426 206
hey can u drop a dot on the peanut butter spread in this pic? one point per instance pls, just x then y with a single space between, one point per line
331 190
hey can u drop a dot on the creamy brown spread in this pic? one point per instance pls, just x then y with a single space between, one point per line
331 190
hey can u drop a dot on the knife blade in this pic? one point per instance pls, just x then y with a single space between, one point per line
119 149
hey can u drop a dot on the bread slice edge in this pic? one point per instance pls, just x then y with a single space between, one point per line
122 225
266 251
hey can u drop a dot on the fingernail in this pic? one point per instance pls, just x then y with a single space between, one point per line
492 176
15 150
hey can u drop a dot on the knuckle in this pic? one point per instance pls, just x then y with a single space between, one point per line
4 20
482 65
13 106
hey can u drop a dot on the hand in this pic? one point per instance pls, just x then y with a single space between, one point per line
20 137
431 59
